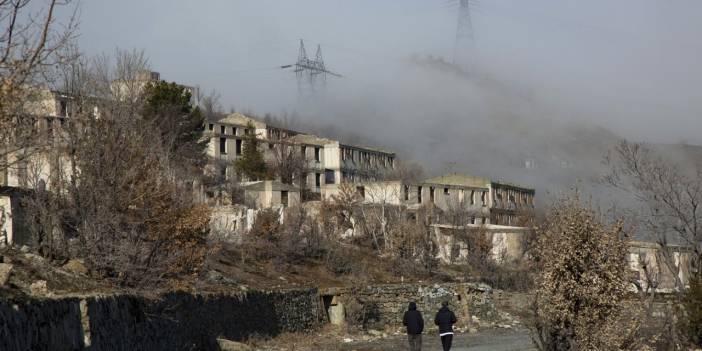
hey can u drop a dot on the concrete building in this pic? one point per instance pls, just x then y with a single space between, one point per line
271 193
652 271
328 161
508 202
332 162
507 242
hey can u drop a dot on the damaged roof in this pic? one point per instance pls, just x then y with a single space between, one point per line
459 179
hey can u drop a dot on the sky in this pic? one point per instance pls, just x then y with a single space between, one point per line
555 80
638 57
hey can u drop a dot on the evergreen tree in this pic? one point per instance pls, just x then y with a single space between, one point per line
167 106
251 164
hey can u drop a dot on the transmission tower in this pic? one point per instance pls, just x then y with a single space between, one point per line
311 73
463 46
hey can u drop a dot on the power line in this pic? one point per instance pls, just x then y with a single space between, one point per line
311 73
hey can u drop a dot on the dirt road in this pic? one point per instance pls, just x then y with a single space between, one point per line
490 340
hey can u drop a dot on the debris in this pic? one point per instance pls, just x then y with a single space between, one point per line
228 345
5 270
76 266
38 288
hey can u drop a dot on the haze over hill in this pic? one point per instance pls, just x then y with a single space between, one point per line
551 86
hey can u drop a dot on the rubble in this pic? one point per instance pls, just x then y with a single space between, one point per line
39 288
228 345
5 271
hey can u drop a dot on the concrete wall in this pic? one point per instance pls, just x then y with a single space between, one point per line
177 321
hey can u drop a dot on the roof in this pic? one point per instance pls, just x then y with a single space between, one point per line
373 149
513 185
275 186
459 179
310 139
242 120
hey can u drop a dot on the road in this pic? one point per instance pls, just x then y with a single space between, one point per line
491 340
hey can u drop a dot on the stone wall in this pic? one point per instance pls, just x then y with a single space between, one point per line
176 321
380 306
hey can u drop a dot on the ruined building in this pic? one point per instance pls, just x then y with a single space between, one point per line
327 161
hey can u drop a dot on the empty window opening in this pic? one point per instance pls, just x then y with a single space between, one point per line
238 147
284 198
419 194
431 194
329 176
223 146
446 191
317 180
211 127
361 191
223 130
316 154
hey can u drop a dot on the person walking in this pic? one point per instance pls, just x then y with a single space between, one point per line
415 326
445 319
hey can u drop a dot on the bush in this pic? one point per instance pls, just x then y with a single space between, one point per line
692 303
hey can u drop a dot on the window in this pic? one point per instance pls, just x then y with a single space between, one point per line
303 151
406 192
419 194
316 154
317 180
233 130
223 130
223 146
446 191
63 112
431 194
482 197
329 176
472 220
284 198
472 197
211 127
238 147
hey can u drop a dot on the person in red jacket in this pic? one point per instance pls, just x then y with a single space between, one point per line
415 326
445 319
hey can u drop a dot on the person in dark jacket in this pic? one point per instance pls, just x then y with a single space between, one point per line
415 326
445 319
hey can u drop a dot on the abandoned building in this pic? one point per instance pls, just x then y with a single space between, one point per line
507 242
271 193
328 161
652 271
509 202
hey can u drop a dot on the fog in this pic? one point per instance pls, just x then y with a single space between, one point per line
550 83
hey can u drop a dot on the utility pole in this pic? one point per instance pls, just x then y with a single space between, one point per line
463 46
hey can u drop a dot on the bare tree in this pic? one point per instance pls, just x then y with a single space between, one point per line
31 43
114 199
670 197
